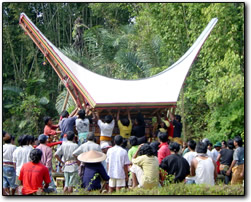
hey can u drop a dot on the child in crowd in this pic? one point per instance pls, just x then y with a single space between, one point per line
117 165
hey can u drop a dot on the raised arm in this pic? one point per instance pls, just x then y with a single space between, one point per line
118 114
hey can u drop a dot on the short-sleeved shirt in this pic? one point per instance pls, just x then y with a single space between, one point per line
66 150
125 131
88 146
21 156
177 128
239 156
163 151
50 130
117 158
176 165
32 175
138 131
67 124
8 150
214 154
46 159
106 128
132 151
82 125
150 167
226 156
88 178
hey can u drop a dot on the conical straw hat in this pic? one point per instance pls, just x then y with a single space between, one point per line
92 157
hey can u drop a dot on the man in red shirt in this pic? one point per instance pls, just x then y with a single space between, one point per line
33 174
49 128
163 147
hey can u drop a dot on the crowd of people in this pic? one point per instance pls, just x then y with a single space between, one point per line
127 160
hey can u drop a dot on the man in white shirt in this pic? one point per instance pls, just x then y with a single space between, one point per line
9 172
117 165
215 151
189 156
106 128
21 155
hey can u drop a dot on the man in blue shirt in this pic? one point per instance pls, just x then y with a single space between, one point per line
67 123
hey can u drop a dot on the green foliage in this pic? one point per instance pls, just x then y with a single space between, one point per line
129 41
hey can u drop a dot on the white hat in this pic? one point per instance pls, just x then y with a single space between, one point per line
92 157
105 145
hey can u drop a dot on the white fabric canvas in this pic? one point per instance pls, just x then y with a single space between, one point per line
106 91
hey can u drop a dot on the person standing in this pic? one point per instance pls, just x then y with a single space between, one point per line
46 159
9 172
203 167
82 126
164 150
125 125
189 156
226 157
66 124
237 165
49 128
106 128
33 174
117 165
69 161
21 155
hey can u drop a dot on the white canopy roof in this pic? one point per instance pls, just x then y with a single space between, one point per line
101 91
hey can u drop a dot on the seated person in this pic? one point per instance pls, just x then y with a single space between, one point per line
175 164
94 171
145 168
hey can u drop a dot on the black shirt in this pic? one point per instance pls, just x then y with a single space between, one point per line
177 128
226 156
176 165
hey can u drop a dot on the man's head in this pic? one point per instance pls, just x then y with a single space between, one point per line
133 141
90 136
108 119
65 114
42 138
217 146
125 122
201 148
162 137
36 155
174 147
47 120
178 118
81 113
230 144
23 140
238 141
146 149
191 145
118 140
70 135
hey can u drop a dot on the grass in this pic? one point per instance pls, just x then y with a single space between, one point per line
179 189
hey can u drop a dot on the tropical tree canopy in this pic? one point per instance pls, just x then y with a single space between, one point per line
127 41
